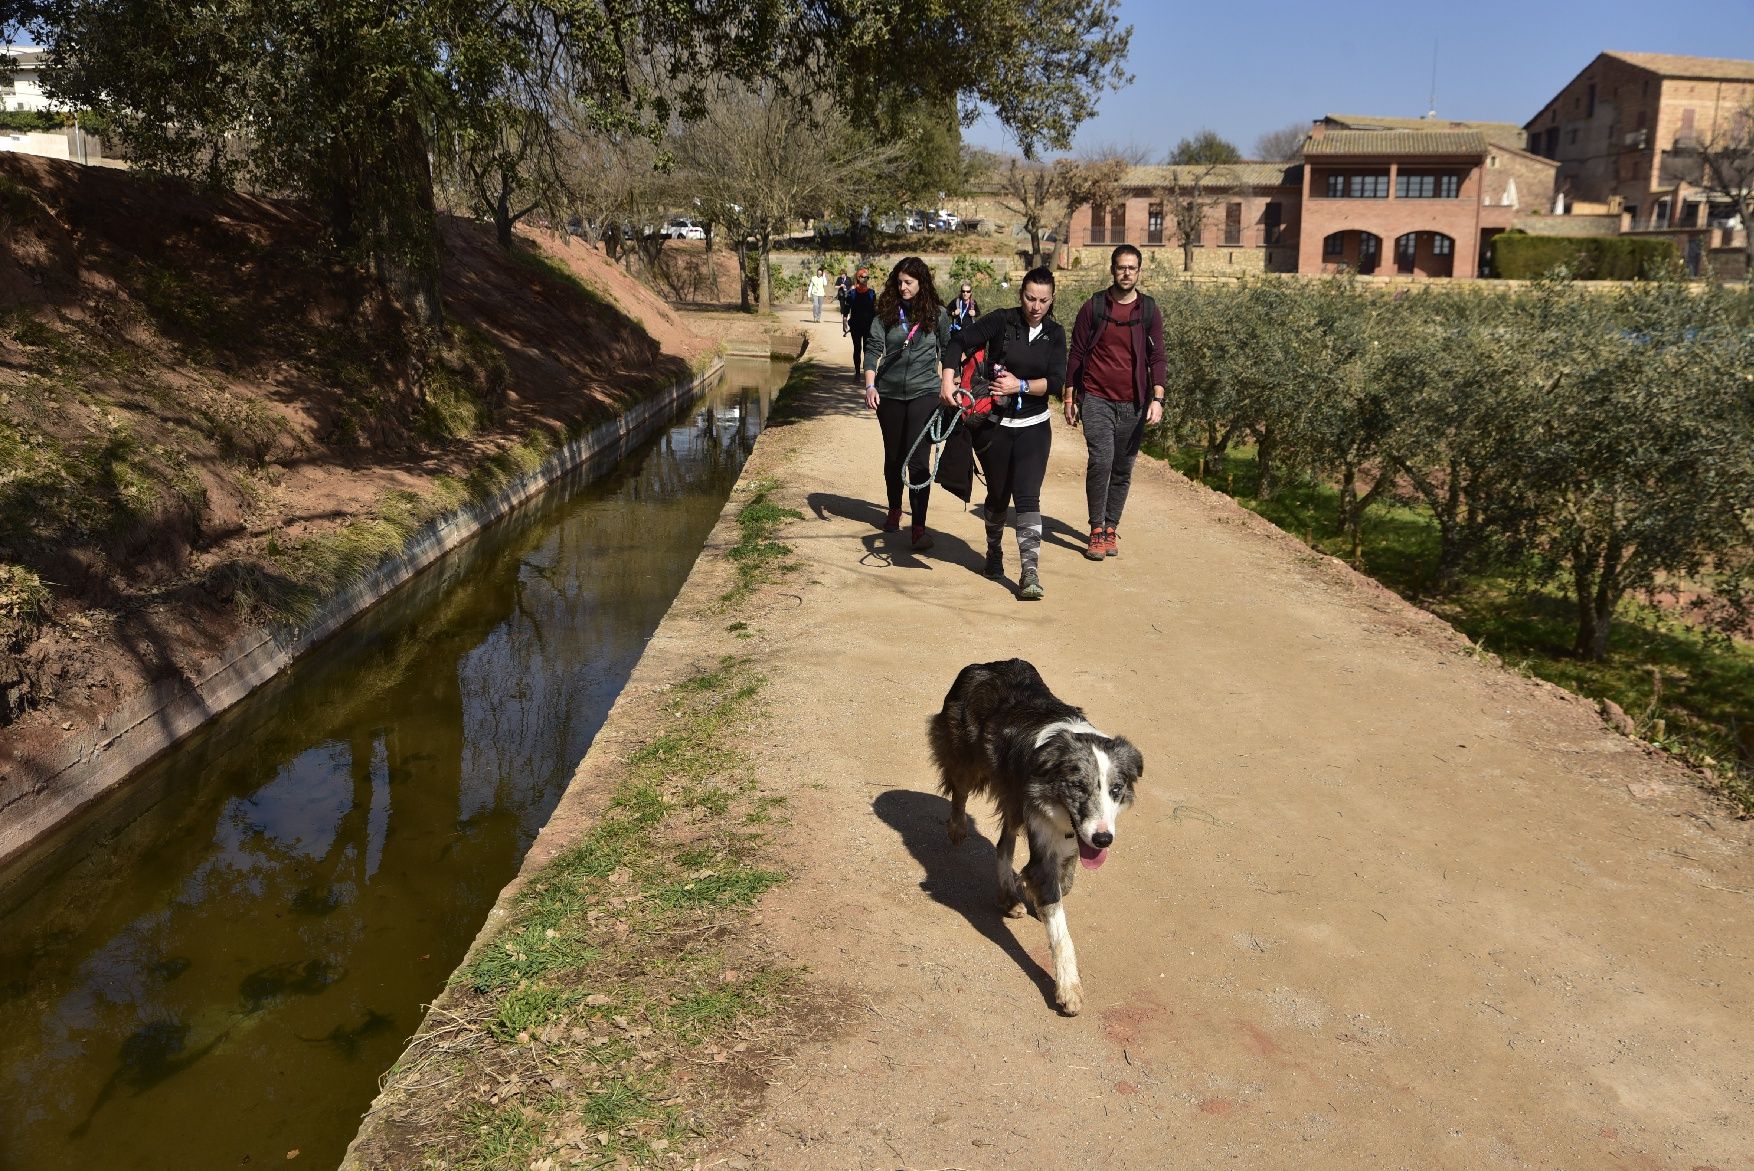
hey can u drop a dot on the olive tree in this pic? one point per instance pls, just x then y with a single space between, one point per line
1637 457
1458 376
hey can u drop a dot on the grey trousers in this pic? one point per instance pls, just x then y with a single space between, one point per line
1112 431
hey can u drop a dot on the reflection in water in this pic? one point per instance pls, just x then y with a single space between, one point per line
214 970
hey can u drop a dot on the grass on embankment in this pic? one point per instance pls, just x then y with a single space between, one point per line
1686 690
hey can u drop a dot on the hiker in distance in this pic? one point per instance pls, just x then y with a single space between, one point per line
818 290
1026 355
909 335
861 311
1114 376
843 297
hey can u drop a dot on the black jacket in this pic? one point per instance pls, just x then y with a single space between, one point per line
1006 338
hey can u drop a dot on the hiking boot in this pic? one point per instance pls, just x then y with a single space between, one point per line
1098 547
1029 586
995 562
1108 545
919 538
892 523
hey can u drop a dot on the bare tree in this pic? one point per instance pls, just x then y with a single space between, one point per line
1727 166
759 158
1030 189
1093 182
1187 197
1283 145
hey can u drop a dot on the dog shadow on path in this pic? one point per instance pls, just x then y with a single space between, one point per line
963 878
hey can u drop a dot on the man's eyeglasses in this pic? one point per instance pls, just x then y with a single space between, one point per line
1126 268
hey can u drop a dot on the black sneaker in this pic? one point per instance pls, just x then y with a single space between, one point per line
1029 587
995 562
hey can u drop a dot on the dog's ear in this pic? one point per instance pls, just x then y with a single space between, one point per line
1128 760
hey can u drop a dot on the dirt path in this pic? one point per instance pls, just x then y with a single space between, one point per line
1380 904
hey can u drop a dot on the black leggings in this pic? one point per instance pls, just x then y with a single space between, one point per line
902 421
1016 462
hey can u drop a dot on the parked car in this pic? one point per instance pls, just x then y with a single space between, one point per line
683 229
945 221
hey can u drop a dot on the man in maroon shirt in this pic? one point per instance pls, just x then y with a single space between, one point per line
1114 383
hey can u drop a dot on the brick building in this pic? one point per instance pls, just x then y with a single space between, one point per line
1245 216
1626 133
1413 196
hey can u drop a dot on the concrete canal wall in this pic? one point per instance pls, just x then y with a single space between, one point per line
95 760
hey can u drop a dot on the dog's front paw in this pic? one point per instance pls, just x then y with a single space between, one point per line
1011 904
1070 998
958 827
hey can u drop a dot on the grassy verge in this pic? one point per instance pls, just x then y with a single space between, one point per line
757 557
615 1014
621 1013
1689 691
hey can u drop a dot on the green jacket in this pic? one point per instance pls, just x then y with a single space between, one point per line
916 371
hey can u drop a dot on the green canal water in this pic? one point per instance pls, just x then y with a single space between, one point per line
213 969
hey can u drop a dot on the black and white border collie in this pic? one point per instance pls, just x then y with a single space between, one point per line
1003 733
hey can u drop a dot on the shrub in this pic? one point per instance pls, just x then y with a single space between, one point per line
1517 256
32 121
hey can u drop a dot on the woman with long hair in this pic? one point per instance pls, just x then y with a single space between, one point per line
908 336
1026 362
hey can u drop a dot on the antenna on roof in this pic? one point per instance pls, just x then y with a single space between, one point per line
1431 107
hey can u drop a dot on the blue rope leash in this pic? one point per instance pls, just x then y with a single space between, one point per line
938 432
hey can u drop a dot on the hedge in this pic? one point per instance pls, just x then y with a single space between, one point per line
1517 256
32 121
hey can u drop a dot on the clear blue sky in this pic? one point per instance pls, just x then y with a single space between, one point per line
1246 67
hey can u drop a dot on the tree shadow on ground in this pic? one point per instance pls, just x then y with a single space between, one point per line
962 878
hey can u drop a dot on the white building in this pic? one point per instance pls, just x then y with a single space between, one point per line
21 73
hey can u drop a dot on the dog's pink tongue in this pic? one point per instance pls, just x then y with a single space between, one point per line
1090 857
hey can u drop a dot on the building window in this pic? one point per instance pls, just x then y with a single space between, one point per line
1442 245
1412 185
1117 223
1590 102
1273 224
1233 225
1154 223
1098 222
1406 251
1334 246
1358 185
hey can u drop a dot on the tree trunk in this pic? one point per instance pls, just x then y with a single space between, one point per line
1592 625
1596 583
1187 257
712 270
404 238
502 215
765 277
1353 506
743 274
1452 534
1034 247
1267 478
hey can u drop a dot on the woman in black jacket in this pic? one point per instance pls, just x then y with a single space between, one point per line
1026 352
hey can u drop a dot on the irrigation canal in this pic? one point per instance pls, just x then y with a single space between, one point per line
213 969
